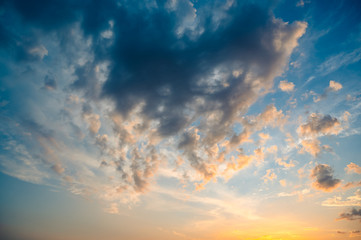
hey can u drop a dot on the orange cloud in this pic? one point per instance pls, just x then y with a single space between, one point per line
311 146
353 167
335 86
270 176
286 86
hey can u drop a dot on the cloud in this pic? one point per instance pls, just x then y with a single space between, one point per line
263 138
311 146
353 167
351 185
301 3
323 176
317 125
283 163
300 193
286 86
146 79
112 209
334 86
270 176
320 125
269 117
91 118
339 202
242 160
49 83
283 182
58 168
335 62
354 214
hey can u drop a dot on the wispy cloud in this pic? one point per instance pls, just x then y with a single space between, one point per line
337 61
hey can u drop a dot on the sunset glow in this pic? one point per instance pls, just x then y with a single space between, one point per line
180 119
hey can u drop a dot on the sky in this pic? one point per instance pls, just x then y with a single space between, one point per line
180 119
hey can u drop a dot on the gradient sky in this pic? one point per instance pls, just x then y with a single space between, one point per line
180 119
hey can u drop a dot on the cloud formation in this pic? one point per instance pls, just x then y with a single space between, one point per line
136 82
354 214
323 176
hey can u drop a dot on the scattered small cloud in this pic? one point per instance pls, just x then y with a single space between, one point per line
334 86
285 164
270 176
286 86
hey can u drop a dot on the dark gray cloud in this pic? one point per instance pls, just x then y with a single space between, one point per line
149 57
320 125
324 180
47 15
216 69
354 214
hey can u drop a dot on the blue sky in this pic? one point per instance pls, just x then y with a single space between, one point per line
180 119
